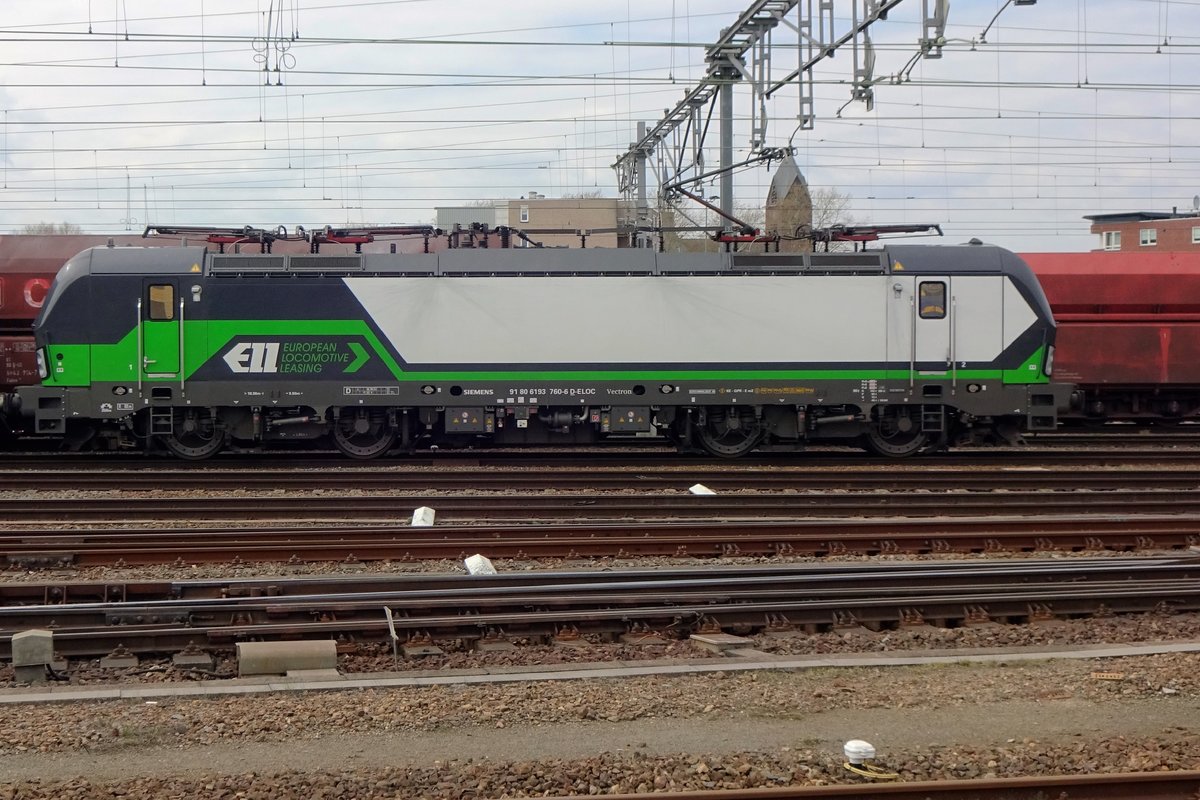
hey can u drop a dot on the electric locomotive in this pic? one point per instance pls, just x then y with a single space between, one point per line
900 350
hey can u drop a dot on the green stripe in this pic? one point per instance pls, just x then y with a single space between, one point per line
204 340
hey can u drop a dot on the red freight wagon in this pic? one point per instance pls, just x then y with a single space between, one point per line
1128 331
21 295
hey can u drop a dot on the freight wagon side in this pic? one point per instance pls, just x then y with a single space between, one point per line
1128 333
24 285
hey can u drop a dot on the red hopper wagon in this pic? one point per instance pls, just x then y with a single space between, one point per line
1128 332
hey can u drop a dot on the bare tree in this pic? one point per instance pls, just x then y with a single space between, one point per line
831 207
588 194
51 227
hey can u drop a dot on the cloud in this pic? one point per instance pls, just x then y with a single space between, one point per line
380 111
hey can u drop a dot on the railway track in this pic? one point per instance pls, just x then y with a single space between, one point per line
624 477
32 549
822 573
1112 786
1059 450
614 603
464 509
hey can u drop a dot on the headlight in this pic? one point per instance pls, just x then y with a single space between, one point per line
1050 360
43 373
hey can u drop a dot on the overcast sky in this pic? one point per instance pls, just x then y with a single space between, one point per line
120 112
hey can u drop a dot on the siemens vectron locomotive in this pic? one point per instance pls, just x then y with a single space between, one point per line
899 350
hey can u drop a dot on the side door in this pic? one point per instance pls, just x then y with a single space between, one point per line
934 318
160 325
920 316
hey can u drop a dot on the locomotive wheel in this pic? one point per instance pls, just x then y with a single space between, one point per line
363 433
729 434
896 434
195 435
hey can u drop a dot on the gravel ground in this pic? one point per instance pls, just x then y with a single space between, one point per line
638 772
196 721
171 747
143 736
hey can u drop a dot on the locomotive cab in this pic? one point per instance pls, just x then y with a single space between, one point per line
109 336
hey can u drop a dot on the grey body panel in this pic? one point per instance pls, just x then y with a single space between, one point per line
626 320
831 322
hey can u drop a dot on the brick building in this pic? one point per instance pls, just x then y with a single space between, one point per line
553 221
541 217
1140 231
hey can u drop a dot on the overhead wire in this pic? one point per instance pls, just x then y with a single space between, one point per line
587 146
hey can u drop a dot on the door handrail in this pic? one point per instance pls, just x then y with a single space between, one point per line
140 366
182 389
912 343
953 345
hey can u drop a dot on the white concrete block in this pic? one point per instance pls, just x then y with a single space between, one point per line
479 565
33 648
279 658
700 488
423 517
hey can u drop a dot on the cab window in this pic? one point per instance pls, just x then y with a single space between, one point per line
933 300
162 302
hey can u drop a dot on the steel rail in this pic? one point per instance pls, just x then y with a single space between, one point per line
421 609
814 573
1056 452
900 477
783 581
595 507
1181 785
817 537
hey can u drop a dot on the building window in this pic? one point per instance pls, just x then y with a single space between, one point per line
1196 235
933 300
1112 240
1148 237
524 213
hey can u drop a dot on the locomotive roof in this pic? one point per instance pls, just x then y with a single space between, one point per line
139 260
917 259
955 259
601 261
